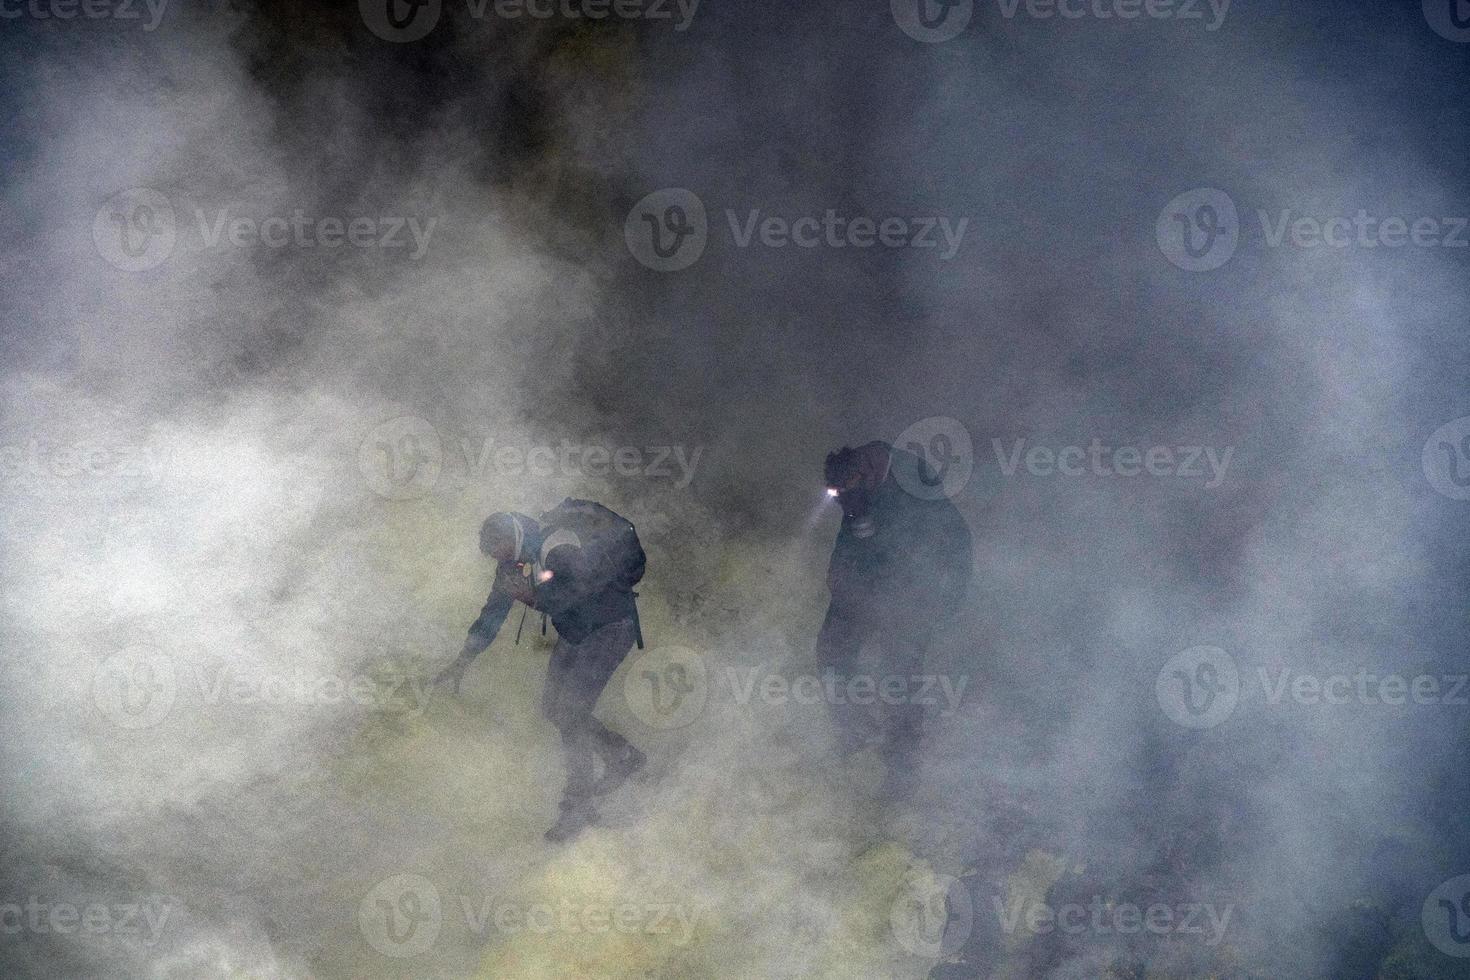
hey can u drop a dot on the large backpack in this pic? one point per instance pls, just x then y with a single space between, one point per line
591 526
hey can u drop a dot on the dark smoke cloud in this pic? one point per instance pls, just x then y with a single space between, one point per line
194 451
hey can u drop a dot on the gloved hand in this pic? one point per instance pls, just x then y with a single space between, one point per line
451 677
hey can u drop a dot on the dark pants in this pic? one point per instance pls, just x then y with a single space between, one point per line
574 680
903 644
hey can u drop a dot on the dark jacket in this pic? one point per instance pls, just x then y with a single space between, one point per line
591 584
916 565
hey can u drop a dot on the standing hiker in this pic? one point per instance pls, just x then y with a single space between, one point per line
900 567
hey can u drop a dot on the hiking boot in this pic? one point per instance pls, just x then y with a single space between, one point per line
571 823
628 762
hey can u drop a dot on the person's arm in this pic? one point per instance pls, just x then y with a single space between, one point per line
482 630
481 633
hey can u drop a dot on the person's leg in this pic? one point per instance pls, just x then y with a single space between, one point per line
576 810
559 706
904 653
554 694
578 750
606 649
580 674
608 743
838 645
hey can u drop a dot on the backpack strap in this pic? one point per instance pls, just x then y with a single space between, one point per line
637 623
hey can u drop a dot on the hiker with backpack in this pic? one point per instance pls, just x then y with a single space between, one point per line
577 565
